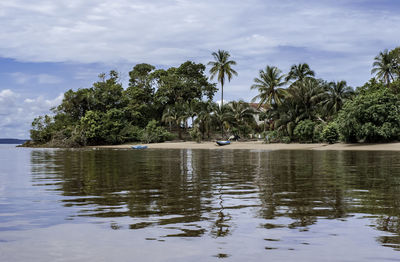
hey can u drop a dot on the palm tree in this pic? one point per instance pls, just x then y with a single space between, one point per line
269 86
305 96
300 72
174 114
337 94
384 66
223 117
205 117
242 115
222 67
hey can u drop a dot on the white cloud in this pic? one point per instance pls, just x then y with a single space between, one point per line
24 78
166 32
17 112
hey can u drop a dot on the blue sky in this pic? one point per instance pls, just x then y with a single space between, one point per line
48 47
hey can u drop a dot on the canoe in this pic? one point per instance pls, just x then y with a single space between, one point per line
223 143
139 147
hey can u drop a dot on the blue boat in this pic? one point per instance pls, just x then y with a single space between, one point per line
223 143
139 147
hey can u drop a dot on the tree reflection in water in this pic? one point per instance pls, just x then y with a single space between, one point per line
190 193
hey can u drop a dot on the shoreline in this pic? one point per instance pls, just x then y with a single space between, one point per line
258 145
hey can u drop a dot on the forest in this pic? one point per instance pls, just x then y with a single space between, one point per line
178 104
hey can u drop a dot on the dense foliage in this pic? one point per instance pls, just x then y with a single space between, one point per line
372 116
162 104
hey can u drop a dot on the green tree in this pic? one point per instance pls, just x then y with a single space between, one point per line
337 94
242 116
76 103
140 95
384 67
205 117
222 68
269 86
183 84
223 117
372 116
174 115
108 93
299 72
305 96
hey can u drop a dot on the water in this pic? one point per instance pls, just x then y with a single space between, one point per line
198 205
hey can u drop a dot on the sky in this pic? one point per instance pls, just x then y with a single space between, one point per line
48 47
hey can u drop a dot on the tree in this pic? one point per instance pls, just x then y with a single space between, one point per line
372 116
222 67
174 115
299 72
183 84
108 93
384 67
140 95
305 96
205 117
223 116
77 103
269 86
336 96
242 116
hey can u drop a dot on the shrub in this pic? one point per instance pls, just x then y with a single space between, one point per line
304 131
373 116
270 136
330 133
153 133
195 134
131 133
317 136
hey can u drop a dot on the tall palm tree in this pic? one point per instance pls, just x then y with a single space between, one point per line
222 68
299 72
337 94
384 66
269 86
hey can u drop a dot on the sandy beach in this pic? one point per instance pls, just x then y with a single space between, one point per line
258 145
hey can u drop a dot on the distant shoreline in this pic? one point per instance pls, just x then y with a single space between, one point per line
259 145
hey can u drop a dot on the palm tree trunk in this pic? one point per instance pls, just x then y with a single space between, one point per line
180 132
222 94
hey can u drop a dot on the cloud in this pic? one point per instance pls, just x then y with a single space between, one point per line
17 112
167 32
24 78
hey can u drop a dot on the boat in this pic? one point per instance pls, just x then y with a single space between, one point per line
223 143
139 147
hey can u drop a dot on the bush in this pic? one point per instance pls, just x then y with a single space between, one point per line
285 139
304 131
270 136
330 133
131 133
373 116
154 134
317 136
195 134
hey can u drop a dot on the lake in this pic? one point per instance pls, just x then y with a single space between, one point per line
198 205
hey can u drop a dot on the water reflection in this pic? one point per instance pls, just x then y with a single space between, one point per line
189 193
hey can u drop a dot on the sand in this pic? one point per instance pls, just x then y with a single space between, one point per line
258 145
